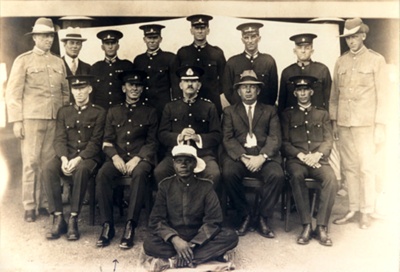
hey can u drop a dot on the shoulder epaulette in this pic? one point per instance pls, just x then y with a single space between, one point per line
205 99
289 108
374 52
167 178
319 108
26 53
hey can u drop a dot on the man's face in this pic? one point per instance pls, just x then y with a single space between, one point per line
303 51
303 95
110 48
200 32
152 42
189 87
251 41
81 94
355 41
184 166
132 91
248 93
43 41
72 48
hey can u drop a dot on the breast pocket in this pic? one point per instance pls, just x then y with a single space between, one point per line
161 76
72 132
211 69
365 76
87 130
118 126
342 75
177 123
297 133
57 74
36 76
317 132
202 124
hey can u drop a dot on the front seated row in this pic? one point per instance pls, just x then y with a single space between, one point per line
186 220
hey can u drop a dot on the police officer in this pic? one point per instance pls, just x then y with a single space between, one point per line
190 120
158 65
107 86
210 58
79 133
305 66
251 59
130 144
306 143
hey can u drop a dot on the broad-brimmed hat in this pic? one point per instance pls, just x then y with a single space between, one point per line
189 151
354 26
248 28
303 38
133 76
199 19
152 29
302 81
189 72
80 81
73 33
42 26
248 77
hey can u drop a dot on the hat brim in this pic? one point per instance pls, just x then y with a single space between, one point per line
73 39
249 82
40 32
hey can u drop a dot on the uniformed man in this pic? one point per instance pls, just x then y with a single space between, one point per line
306 143
185 223
36 89
210 58
358 111
107 87
251 59
159 67
130 144
252 139
190 120
303 50
79 134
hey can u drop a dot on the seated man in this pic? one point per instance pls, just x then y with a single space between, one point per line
130 144
77 143
306 143
185 222
252 138
191 120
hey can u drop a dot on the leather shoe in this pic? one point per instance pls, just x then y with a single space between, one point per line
30 216
43 211
305 235
264 229
244 226
59 227
364 221
106 235
349 217
73 232
129 234
322 236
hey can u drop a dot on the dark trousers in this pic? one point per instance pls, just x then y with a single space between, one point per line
166 169
80 178
271 174
298 172
105 183
225 240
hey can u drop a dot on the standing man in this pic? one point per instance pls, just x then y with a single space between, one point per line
357 109
306 143
252 138
303 49
73 44
130 144
158 66
186 219
36 89
107 87
191 120
210 58
251 59
79 134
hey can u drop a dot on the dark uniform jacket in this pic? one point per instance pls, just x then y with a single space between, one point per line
131 130
190 211
212 60
83 68
322 88
201 115
107 88
265 68
79 131
308 131
160 71
266 128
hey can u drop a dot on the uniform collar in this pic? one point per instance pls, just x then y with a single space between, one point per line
153 53
308 108
112 60
250 56
81 108
359 52
304 63
132 105
189 100
39 51
197 46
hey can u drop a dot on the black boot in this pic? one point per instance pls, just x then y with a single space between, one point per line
106 235
59 227
129 234
73 232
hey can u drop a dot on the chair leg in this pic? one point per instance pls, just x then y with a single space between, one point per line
92 201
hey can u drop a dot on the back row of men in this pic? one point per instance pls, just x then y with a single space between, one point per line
129 132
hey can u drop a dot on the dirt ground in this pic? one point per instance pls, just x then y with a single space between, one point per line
25 248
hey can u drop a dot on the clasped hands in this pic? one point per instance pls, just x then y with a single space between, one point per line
188 134
125 168
311 159
253 163
184 250
69 166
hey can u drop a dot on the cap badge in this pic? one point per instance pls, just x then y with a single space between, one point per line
189 72
76 81
135 77
201 20
303 39
109 36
